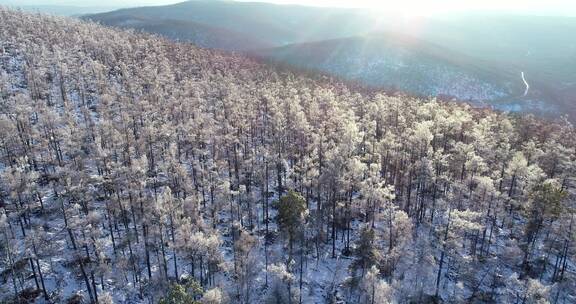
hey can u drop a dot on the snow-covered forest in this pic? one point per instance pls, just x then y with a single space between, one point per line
138 170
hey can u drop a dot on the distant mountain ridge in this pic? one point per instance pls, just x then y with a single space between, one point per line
276 24
63 10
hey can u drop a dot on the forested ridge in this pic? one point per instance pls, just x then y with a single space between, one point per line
138 170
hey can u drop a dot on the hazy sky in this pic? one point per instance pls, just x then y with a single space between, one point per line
560 7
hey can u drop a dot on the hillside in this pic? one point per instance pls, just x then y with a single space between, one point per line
134 169
533 44
490 51
199 34
410 65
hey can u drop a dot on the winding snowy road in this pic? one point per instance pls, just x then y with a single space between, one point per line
526 83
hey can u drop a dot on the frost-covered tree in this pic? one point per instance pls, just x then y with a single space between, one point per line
374 289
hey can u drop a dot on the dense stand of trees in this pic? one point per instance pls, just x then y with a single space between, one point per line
134 169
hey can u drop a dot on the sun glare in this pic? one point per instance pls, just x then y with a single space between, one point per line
407 10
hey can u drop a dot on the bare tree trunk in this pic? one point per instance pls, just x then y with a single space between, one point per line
441 264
